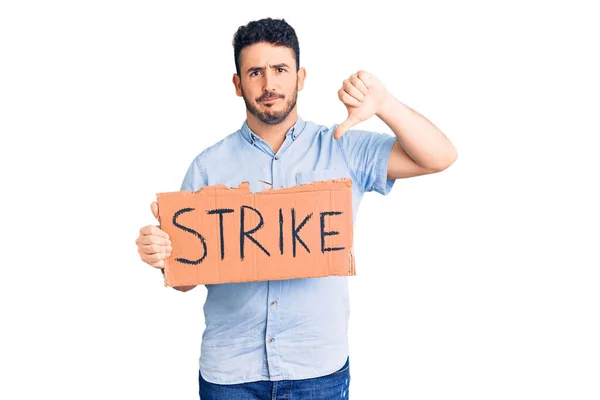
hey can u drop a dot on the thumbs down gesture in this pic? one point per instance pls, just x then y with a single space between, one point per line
363 95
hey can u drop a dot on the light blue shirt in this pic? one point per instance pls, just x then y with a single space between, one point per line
285 329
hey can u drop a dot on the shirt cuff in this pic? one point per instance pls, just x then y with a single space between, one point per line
383 185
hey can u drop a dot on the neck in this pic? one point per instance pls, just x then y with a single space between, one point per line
274 135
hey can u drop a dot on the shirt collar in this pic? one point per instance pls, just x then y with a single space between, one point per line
294 131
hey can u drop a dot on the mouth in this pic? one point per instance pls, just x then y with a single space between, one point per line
269 99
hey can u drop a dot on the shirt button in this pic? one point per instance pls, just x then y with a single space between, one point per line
273 303
277 158
270 340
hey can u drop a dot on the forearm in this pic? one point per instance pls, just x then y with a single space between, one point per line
424 143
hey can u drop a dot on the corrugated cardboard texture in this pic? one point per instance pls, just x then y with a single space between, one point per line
224 235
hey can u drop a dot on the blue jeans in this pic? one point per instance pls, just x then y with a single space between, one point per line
329 387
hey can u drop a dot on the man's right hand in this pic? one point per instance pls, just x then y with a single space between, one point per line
153 243
154 246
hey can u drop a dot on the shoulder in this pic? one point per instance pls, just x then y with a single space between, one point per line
321 132
351 141
197 174
352 135
219 150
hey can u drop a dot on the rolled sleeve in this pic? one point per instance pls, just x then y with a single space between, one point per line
382 184
367 154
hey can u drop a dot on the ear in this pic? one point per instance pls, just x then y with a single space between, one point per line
301 77
237 83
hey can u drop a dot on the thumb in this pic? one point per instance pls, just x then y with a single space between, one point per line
345 126
154 208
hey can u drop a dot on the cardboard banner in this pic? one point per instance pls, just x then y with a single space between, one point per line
224 235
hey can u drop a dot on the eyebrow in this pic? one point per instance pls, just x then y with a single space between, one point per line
282 65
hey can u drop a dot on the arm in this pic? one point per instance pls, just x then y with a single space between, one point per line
421 148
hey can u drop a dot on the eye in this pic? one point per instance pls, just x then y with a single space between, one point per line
254 73
281 70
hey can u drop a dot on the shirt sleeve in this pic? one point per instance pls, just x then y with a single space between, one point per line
367 154
195 177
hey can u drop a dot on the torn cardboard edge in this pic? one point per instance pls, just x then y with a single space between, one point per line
223 234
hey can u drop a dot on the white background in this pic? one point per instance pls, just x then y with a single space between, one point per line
480 282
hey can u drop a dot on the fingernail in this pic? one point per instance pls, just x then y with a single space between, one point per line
169 249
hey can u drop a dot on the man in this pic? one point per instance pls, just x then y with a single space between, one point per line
269 339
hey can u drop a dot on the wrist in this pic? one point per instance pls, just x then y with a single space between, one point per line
385 107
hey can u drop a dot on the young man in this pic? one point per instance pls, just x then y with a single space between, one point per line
290 336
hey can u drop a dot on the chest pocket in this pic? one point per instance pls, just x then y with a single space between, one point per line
304 177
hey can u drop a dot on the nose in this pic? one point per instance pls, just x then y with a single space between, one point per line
269 81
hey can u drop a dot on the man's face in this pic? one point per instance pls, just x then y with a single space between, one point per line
268 81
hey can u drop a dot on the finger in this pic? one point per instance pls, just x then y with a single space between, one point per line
158 264
347 99
153 230
155 248
146 257
353 91
151 239
345 126
359 84
154 208
365 77
153 258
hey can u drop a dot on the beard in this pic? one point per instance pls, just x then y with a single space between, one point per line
271 117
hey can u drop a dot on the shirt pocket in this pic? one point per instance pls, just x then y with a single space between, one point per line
304 177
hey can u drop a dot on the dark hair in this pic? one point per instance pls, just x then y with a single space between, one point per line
275 31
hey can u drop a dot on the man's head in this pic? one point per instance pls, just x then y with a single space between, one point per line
268 74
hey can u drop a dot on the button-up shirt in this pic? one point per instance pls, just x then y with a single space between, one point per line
284 329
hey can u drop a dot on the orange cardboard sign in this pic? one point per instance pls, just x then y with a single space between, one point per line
224 235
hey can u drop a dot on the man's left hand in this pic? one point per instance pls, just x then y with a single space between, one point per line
363 95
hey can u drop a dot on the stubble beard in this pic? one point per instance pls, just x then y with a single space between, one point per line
271 117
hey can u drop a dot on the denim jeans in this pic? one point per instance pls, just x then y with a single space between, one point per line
329 387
